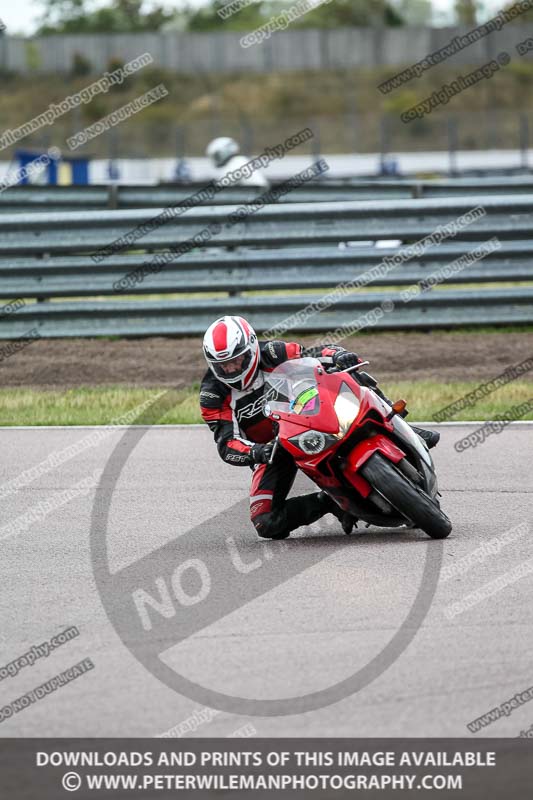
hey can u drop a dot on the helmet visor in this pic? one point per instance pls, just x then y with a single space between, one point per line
232 370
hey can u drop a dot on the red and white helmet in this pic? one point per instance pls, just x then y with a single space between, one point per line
231 350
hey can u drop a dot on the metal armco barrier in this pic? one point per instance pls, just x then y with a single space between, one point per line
240 270
192 317
299 223
68 198
301 246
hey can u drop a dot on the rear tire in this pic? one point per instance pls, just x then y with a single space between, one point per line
409 500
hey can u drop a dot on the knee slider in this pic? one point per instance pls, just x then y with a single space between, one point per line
271 525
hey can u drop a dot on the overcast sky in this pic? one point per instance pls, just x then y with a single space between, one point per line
19 16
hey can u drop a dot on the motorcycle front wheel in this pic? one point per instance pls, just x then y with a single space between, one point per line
409 500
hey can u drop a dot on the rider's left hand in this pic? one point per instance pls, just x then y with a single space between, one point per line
345 360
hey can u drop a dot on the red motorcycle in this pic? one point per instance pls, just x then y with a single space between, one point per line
354 446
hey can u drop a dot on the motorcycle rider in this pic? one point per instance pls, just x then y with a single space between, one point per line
231 402
225 153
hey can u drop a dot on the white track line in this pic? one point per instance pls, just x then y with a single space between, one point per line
203 425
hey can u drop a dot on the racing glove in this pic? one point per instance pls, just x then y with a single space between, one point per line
261 453
343 360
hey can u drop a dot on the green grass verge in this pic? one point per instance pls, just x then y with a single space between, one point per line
93 406
105 405
425 398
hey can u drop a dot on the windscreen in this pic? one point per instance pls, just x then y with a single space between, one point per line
292 388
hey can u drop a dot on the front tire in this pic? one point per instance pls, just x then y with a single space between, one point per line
410 501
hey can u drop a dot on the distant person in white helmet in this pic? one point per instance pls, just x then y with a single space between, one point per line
224 152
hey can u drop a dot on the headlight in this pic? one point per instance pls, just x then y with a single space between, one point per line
313 442
347 407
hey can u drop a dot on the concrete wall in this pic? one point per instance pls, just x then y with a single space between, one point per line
287 50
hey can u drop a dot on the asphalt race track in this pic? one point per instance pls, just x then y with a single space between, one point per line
260 622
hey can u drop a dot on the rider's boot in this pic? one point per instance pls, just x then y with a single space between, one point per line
346 520
431 438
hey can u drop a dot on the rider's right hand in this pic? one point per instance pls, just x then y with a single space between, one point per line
261 453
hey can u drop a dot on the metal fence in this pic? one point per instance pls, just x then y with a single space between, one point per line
63 198
219 52
289 251
358 126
